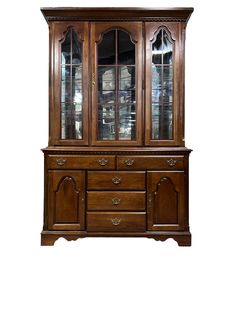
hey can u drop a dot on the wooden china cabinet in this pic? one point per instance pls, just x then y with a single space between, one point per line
116 164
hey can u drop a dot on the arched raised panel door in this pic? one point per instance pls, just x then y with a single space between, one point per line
163 100
116 56
166 200
66 200
69 92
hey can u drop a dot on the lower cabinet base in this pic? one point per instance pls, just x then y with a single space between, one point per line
183 238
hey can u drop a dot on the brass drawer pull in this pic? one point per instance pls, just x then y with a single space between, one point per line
129 162
61 162
115 221
171 162
115 201
103 162
116 180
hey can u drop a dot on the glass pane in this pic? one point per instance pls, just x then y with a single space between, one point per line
126 96
167 49
106 78
167 84
126 49
155 121
65 84
76 49
167 122
126 78
71 87
127 121
106 48
106 96
157 49
66 49
106 122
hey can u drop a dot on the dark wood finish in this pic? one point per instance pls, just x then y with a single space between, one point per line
151 29
81 162
116 188
150 162
66 200
166 200
109 14
116 180
116 221
116 201
57 33
135 32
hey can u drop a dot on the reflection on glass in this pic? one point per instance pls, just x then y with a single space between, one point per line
71 87
162 121
162 86
106 122
106 48
76 49
106 78
116 87
126 49
127 122
126 96
126 78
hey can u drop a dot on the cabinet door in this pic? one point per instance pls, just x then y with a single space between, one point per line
116 56
69 83
164 84
166 200
66 200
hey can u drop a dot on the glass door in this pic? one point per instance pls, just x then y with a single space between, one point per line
69 98
162 98
116 84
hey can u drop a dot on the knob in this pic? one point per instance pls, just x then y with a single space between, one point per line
103 162
115 201
171 162
129 162
61 162
116 221
116 180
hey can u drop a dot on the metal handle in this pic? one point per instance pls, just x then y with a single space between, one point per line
115 201
61 162
116 221
116 180
103 162
171 162
93 79
129 162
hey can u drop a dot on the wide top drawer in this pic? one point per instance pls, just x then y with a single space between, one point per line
81 162
150 162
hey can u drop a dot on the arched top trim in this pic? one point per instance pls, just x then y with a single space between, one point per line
70 28
113 28
164 28
66 178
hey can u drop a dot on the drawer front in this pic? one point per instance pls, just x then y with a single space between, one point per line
116 221
116 201
81 162
116 180
150 162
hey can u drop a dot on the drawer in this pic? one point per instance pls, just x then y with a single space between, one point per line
81 162
150 162
116 221
116 180
116 201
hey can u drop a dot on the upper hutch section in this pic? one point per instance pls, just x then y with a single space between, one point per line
116 76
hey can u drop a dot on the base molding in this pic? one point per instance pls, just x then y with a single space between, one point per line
183 238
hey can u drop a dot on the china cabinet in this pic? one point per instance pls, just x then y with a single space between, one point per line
116 164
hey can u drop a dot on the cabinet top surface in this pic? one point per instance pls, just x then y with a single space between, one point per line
129 13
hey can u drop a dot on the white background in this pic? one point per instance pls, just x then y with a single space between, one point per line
111 276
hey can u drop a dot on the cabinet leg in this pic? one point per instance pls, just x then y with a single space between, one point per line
48 239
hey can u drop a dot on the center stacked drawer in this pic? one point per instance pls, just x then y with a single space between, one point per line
116 201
